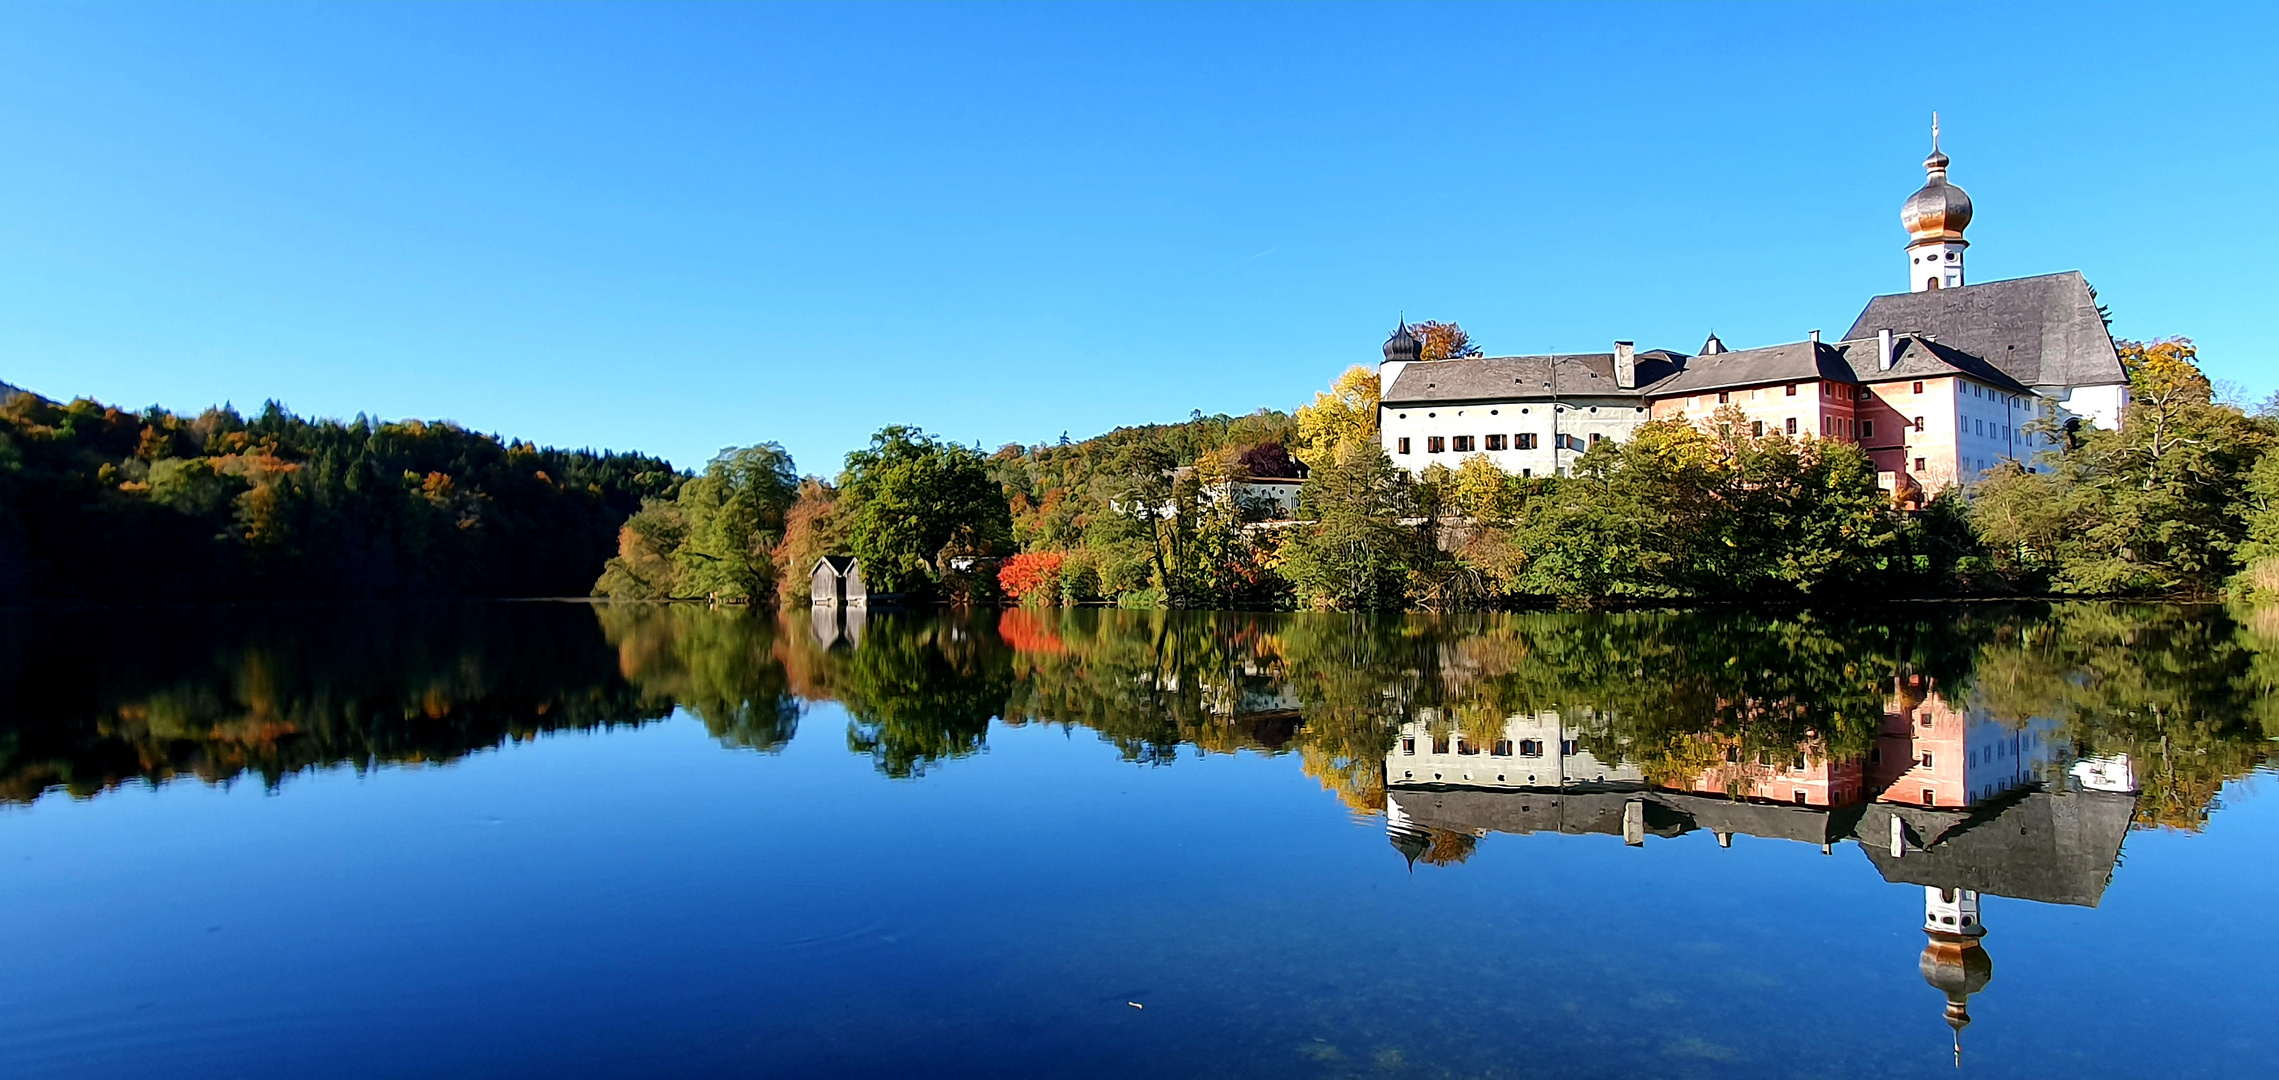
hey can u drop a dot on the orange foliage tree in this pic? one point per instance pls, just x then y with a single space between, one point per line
1030 571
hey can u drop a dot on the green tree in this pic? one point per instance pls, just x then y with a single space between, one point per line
2159 507
909 498
1355 554
735 513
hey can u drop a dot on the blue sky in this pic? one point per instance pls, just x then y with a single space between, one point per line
681 228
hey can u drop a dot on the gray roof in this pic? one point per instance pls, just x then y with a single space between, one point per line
1842 361
1575 813
1915 358
1508 378
2050 847
1796 361
2042 331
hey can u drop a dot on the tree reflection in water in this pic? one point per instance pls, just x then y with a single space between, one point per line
1966 751
1701 702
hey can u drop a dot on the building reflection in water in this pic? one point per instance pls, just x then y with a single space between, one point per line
1946 798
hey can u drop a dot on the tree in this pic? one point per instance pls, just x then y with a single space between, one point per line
1345 413
909 498
2159 507
1032 572
1356 555
1442 341
735 514
812 528
2165 385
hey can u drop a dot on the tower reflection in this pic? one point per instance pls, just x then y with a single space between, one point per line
1946 798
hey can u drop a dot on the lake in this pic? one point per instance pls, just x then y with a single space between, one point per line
559 839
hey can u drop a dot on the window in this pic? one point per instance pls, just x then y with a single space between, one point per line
1440 744
1792 390
1918 423
1757 428
1800 796
1867 429
1732 754
1408 745
1875 755
1531 748
1861 393
1920 464
1929 796
1926 759
1502 748
1495 442
1527 440
1980 425
1723 397
1827 426
1404 444
1918 388
1463 444
1792 425
1435 444
1798 765
1525 473
1595 437
1465 747
1567 748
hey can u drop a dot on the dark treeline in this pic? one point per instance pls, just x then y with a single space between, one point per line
98 503
88 703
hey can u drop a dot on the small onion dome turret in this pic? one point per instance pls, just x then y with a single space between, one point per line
1403 345
1940 211
1957 966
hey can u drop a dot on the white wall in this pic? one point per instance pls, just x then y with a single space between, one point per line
1581 418
1486 769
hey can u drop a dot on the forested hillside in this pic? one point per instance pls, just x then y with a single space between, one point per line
102 504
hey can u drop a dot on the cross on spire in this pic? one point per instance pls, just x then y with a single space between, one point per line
1934 131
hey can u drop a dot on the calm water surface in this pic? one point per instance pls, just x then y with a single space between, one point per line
554 839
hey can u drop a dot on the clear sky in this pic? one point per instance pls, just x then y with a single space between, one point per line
681 228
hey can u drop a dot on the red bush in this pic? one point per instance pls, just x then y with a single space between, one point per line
1029 571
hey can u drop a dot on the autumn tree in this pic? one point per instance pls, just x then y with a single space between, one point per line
1443 341
812 528
1345 413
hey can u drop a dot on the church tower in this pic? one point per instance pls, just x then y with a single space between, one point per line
1935 218
1954 961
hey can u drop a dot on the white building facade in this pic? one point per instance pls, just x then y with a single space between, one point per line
2002 355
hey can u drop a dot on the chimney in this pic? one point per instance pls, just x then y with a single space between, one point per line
1816 337
1883 350
1625 365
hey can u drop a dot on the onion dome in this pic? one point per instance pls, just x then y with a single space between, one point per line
1940 211
1403 345
1957 965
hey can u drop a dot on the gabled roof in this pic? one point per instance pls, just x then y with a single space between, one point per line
1842 361
1915 358
2041 331
839 564
1797 361
1508 378
2049 847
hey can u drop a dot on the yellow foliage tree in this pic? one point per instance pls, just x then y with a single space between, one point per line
1345 413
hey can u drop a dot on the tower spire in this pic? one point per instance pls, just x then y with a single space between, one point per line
1934 131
